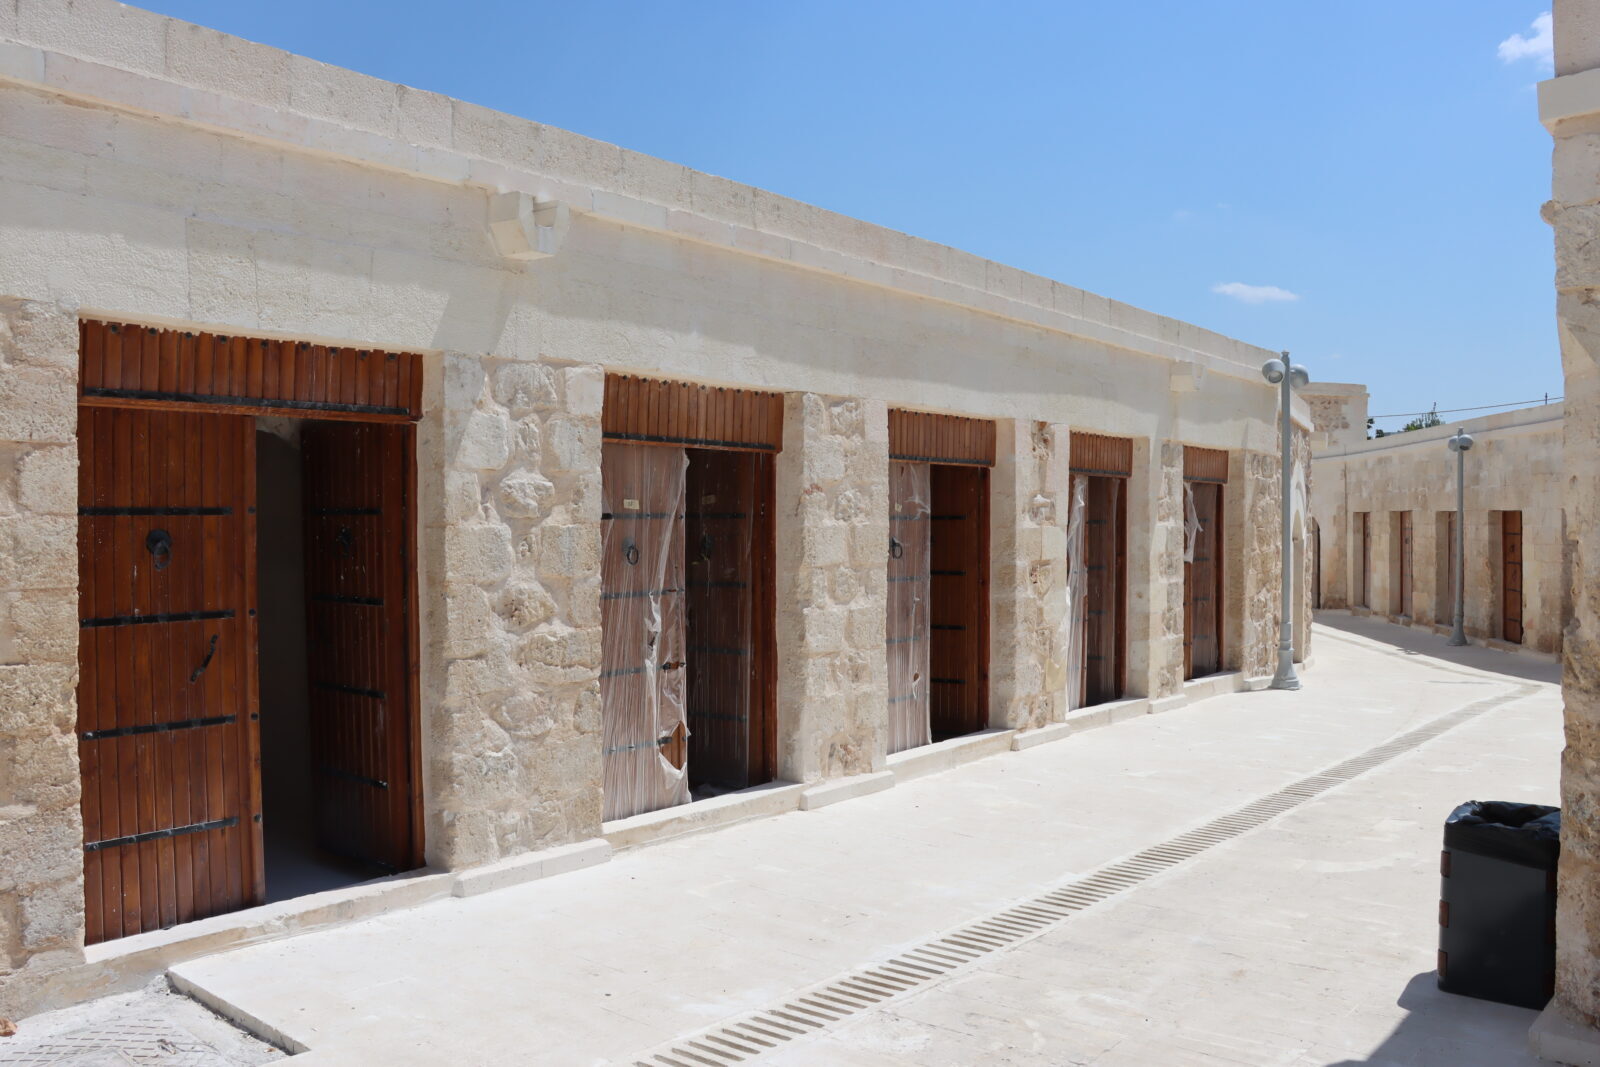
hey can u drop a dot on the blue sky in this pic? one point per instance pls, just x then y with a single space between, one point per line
1380 162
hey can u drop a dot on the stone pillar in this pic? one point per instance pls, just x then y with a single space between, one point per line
832 571
1029 499
41 833
1254 526
1166 573
513 733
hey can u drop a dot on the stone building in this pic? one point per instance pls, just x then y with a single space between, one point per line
1569 107
1384 514
393 486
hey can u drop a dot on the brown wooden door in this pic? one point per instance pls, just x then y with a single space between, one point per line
1403 597
642 678
1202 586
958 601
358 538
1511 576
906 625
1445 611
168 736
1105 595
1364 558
727 514
1316 565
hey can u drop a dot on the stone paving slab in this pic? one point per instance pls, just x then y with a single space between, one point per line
600 964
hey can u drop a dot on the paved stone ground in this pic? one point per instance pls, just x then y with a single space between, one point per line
151 1028
1307 940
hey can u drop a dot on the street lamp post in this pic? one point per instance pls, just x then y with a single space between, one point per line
1460 444
1288 376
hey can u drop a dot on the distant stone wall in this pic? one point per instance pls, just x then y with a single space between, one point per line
833 536
41 832
515 752
1166 592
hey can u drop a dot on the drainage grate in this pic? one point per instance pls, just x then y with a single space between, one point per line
819 1007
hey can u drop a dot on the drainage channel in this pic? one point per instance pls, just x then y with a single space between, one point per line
820 1007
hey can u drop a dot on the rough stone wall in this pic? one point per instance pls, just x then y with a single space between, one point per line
514 732
833 536
1029 500
41 832
1256 587
1166 592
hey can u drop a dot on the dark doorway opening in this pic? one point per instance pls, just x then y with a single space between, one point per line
1105 537
958 602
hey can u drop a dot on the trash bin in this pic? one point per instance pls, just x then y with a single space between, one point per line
1497 902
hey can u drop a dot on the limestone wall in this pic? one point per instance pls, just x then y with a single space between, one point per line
41 834
1515 465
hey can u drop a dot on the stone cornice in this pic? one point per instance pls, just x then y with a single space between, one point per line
134 60
1571 96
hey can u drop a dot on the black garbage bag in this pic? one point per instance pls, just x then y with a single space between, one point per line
1497 902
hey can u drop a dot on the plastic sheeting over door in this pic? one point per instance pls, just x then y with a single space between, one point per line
907 625
642 689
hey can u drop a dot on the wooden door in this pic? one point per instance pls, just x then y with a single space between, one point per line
906 626
1511 576
1202 586
958 600
727 519
642 686
1105 594
1403 595
358 560
1316 565
1364 556
1445 610
168 737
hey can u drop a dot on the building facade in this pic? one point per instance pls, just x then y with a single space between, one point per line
1385 514
449 493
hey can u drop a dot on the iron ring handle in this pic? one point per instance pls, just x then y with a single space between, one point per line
896 549
630 552
159 544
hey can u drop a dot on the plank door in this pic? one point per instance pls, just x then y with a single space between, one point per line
642 686
1105 593
906 626
1202 586
168 741
1445 612
358 563
1403 596
958 600
1316 565
1364 556
726 517
1511 576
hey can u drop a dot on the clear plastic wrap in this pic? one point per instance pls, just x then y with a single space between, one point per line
1191 523
1069 636
907 630
722 500
642 679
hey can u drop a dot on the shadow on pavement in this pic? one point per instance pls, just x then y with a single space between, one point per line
1415 642
1442 1028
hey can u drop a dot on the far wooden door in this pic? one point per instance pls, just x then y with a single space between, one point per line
1511 576
1364 556
358 533
1403 595
1202 586
168 738
1105 593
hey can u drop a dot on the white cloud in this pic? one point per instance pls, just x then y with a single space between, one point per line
1539 47
1254 294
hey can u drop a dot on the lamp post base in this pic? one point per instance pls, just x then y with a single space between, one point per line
1285 678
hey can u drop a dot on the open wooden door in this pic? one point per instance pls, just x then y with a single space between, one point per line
358 530
1511 576
167 727
642 687
1403 594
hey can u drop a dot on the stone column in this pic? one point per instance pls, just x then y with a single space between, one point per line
833 537
513 740
1254 526
1166 572
1029 499
41 833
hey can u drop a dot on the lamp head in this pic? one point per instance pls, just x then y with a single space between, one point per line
1273 370
1299 377
1461 442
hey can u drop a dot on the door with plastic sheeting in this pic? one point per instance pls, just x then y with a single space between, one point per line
168 739
642 686
906 630
357 539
